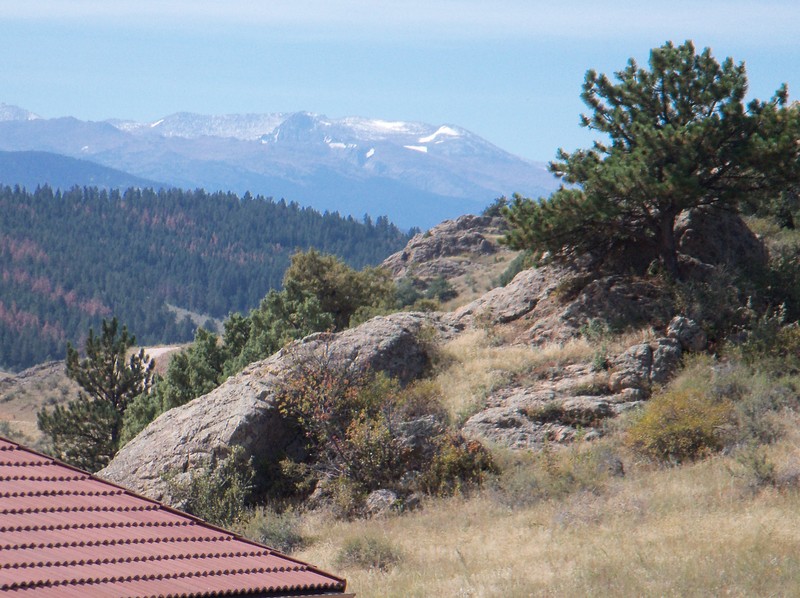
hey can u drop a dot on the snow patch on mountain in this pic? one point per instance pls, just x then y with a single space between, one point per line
417 148
444 130
247 127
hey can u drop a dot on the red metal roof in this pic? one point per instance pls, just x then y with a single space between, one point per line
64 532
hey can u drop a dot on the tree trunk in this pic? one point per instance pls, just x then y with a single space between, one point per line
667 251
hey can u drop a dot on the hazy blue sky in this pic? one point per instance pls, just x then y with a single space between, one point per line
509 70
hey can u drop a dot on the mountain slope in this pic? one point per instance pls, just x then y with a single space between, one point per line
417 174
30 169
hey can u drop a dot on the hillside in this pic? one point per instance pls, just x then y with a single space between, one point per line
68 259
552 373
534 371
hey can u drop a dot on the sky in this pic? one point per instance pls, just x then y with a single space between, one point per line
508 70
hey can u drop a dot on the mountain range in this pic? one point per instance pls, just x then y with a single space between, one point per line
415 173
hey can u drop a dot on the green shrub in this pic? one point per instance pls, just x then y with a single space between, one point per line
218 492
349 417
681 425
458 463
781 280
440 289
280 531
368 552
12 432
757 470
524 261
717 302
772 344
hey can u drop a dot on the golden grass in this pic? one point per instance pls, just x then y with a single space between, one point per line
481 275
774 236
689 531
475 368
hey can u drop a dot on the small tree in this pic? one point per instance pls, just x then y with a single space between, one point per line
679 137
87 431
339 289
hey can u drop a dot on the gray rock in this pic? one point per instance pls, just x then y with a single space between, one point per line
515 300
688 333
465 235
418 437
644 364
666 359
718 238
242 412
512 428
632 368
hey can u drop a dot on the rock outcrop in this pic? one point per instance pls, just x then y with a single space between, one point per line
542 305
447 248
241 411
713 237
573 399
553 303
465 251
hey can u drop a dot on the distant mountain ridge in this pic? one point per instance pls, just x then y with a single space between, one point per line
31 168
415 173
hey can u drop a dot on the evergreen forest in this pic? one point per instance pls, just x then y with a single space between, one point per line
70 258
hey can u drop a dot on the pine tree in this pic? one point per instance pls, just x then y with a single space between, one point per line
679 136
87 431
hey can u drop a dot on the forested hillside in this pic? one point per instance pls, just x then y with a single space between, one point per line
68 259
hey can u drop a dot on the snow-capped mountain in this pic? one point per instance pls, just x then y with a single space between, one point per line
188 125
9 112
415 173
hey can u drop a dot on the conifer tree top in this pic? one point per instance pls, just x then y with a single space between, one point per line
678 136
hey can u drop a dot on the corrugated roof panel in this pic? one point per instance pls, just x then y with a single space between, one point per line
66 533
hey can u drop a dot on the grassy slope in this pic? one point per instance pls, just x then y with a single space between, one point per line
699 529
688 531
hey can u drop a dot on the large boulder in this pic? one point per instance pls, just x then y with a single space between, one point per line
426 254
716 237
242 411
465 252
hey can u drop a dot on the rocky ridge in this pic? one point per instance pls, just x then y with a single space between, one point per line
465 251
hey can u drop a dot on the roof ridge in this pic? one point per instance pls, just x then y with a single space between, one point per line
44 478
82 509
58 493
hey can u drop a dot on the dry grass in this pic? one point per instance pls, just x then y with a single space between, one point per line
773 235
690 531
481 276
475 368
